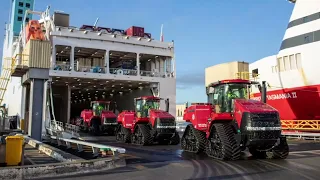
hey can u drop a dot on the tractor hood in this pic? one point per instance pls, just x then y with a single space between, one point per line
160 114
108 114
253 106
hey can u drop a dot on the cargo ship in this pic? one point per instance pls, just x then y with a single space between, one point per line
293 75
78 65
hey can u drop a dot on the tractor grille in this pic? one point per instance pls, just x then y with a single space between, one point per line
264 135
264 120
166 125
110 120
166 122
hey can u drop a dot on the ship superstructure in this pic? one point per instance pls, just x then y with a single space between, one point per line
81 64
293 73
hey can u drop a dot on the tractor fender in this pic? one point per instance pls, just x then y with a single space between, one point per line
118 127
187 128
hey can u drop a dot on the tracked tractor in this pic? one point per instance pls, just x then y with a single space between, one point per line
231 122
98 119
147 123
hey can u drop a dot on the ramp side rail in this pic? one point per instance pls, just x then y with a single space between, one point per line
96 148
58 128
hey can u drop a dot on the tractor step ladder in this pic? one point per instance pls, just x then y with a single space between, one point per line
7 67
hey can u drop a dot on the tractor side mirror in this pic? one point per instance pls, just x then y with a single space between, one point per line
167 104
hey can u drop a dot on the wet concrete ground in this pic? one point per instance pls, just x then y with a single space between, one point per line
169 162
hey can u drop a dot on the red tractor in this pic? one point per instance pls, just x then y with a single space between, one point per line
231 122
147 124
99 119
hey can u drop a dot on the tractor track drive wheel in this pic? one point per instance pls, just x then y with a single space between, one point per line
222 143
281 150
193 140
175 140
142 135
123 134
95 128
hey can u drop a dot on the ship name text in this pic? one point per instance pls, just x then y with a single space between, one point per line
290 95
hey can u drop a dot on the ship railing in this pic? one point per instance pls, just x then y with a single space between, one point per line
60 129
301 135
121 71
247 76
156 74
62 67
91 69
21 60
301 125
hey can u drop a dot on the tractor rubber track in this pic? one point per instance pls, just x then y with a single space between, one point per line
230 148
175 140
198 137
146 133
124 133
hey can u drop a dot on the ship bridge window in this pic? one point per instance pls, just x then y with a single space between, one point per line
255 72
154 65
89 60
306 39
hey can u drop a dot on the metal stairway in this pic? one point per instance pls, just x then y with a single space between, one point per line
7 68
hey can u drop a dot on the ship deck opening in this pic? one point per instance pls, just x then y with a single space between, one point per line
83 91
113 62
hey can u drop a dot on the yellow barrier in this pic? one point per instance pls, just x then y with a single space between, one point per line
301 125
22 124
14 145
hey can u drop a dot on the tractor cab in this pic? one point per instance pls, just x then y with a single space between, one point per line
222 94
99 106
144 104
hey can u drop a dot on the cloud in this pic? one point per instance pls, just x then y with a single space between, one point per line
184 81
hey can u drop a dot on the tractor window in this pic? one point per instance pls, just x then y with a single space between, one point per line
143 106
235 91
98 107
223 95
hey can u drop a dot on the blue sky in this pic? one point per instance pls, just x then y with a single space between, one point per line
206 32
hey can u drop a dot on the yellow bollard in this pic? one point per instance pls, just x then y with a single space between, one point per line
14 145
22 124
